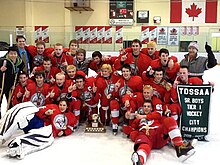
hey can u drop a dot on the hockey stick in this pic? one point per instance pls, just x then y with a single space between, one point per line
11 91
3 80
3 84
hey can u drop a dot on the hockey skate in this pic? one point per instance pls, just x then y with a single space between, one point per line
135 159
184 151
115 129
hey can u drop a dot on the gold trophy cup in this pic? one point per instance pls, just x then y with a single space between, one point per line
96 126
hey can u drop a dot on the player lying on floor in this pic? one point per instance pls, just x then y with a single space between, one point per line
19 117
154 134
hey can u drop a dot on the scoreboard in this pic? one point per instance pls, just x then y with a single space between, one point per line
121 12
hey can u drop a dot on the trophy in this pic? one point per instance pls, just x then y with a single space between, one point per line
95 126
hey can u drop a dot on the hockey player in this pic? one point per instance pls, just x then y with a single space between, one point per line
150 50
38 92
71 73
60 88
38 52
105 86
73 47
81 62
183 78
85 91
49 70
62 120
126 84
19 91
60 59
169 66
139 62
35 140
98 60
153 134
18 117
161 86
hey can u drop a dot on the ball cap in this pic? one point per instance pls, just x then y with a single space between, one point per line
194 45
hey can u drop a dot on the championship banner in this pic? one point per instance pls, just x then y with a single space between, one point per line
93 34
86 35
144 34
79 33
195 30
183 30
45 34
189 30
108 35
37 33
153 33
162 35
148 33
119 34
173 36
195 103
100 34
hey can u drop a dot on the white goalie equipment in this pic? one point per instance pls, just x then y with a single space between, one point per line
16 118
35 140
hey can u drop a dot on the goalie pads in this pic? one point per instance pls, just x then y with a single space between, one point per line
16 118
35 140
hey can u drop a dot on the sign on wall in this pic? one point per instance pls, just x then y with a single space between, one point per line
173 36
162 35
19 30
119 34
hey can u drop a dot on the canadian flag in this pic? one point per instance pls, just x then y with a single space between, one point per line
195 11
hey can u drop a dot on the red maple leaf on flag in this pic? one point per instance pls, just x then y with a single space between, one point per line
193 11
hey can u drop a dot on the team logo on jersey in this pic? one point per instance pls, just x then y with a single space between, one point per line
146 122
86 96
38 60
38 99
61 66
150 122
134 69
109 89
124 89
140 111
156 93
60 121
